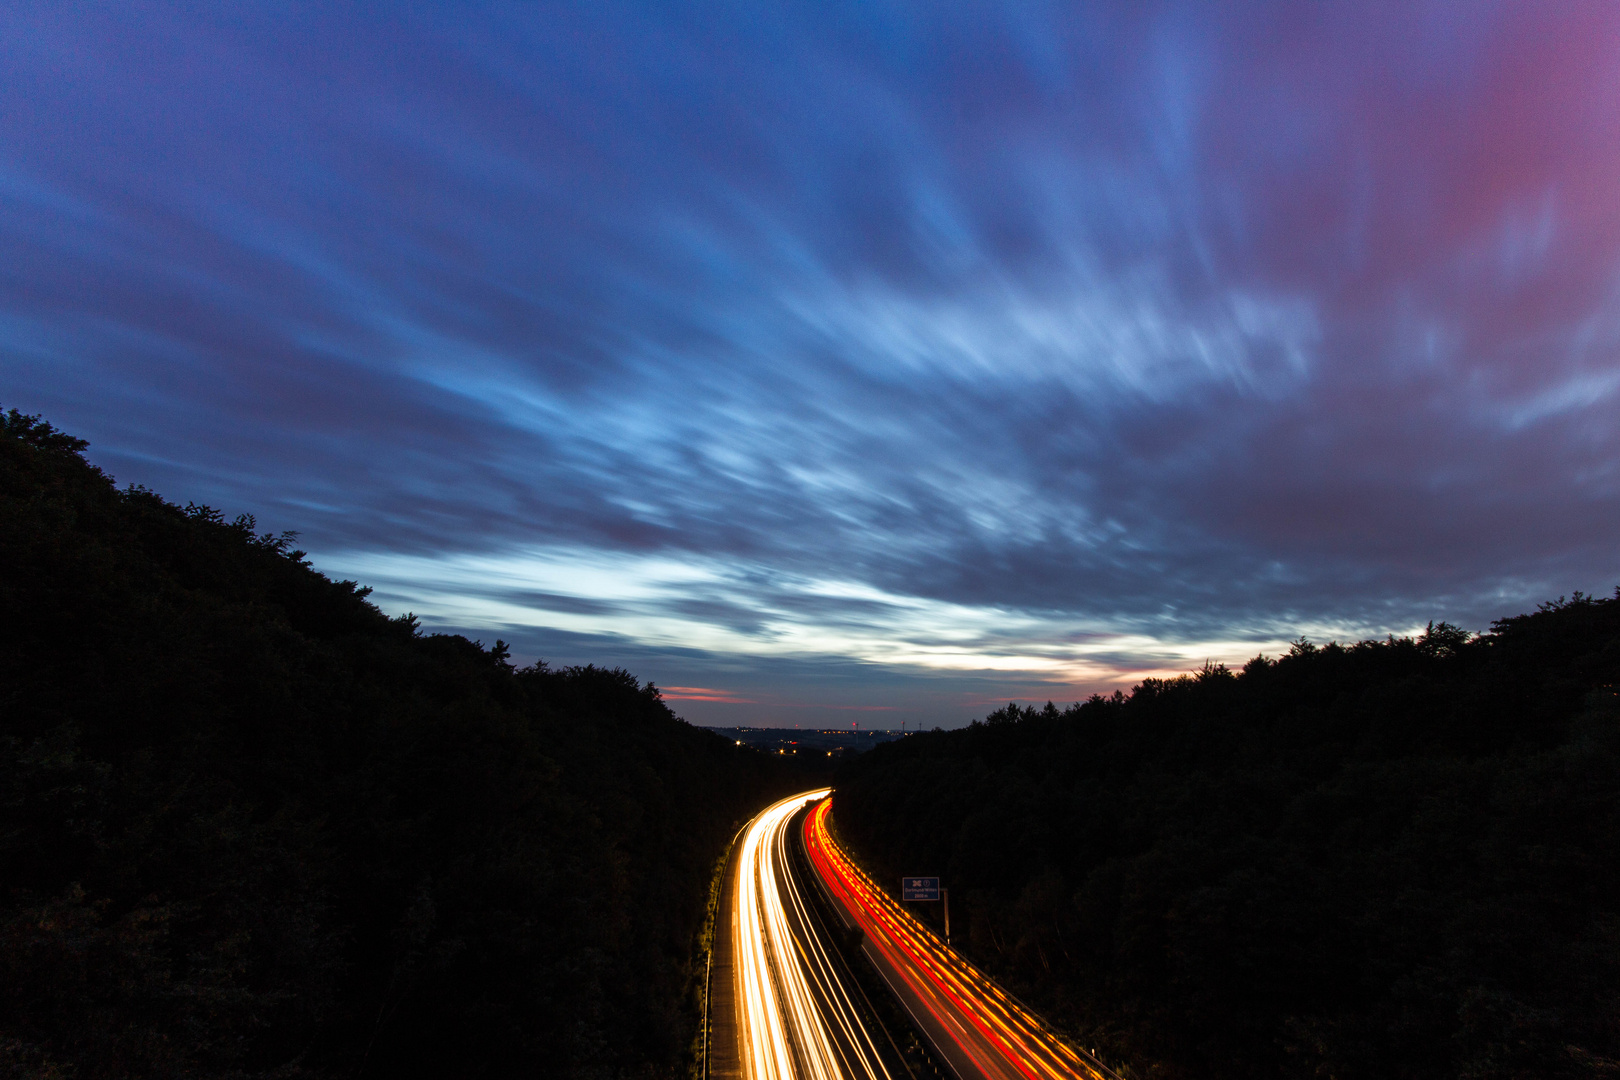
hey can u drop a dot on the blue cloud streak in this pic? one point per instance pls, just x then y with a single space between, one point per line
1187 328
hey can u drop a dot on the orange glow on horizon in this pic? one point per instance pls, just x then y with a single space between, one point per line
703 693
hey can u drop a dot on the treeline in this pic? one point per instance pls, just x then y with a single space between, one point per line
252 827
1397 858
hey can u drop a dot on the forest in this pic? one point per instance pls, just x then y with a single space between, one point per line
1395 858
252 827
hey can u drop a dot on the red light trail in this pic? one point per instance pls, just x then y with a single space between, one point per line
979 1028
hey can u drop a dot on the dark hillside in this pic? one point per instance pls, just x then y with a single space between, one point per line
1392 859
250 826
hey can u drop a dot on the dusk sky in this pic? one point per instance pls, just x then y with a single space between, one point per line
844 363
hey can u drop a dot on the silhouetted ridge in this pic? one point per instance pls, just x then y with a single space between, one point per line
1395 858
251 826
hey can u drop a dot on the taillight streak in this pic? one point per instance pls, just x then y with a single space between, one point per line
1022 1042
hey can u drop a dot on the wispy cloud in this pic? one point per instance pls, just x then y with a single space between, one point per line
985 344
732 608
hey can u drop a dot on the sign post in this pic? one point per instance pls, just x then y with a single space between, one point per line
927 888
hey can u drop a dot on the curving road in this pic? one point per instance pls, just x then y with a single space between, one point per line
794 1017
976 1027
785 1006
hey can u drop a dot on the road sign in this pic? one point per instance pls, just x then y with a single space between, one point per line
919 888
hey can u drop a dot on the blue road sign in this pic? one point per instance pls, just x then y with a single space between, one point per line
919 888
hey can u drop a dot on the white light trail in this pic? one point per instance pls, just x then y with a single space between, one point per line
787 1026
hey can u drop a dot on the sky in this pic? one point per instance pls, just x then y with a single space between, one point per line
842 363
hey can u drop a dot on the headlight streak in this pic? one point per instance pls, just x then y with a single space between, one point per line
790 1028
1012 1043
862 1061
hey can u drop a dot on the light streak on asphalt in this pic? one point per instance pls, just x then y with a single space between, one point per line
796 1018
985 1031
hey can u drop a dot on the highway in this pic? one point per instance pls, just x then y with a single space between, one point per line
790 1007
974 1026
794 1015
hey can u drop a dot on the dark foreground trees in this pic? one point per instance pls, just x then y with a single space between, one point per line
1394 859
250 826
